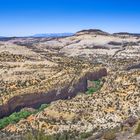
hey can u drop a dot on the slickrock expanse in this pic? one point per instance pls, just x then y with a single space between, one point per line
90 82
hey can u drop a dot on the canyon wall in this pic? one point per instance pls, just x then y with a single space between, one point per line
34 100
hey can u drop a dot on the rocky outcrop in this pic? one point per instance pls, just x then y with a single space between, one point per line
36 99
114 43
137 66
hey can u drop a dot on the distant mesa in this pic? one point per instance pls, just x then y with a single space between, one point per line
2 37
100 32
92 31
126 34
6 38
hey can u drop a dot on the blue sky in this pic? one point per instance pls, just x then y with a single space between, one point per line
27 17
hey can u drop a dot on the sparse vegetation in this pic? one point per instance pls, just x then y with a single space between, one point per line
38 136
6 56
66 135
85 135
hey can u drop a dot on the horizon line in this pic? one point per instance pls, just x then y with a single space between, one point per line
47 33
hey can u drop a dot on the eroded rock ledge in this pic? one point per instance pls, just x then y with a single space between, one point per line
137 66
34 100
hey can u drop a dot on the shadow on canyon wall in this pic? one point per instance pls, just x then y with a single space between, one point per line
137 66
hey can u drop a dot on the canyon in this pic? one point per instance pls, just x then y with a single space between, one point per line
35 100
59 71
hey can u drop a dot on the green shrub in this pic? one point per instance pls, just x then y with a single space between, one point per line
96 88
14 118
42 107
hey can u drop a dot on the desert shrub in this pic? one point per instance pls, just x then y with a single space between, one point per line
41 136
96 88
109 135
137 128
85 135
37 136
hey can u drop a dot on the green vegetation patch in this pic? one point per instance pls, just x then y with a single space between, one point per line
96 88
17 116
42 107
14 118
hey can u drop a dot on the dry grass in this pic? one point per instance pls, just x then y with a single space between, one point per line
137 128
